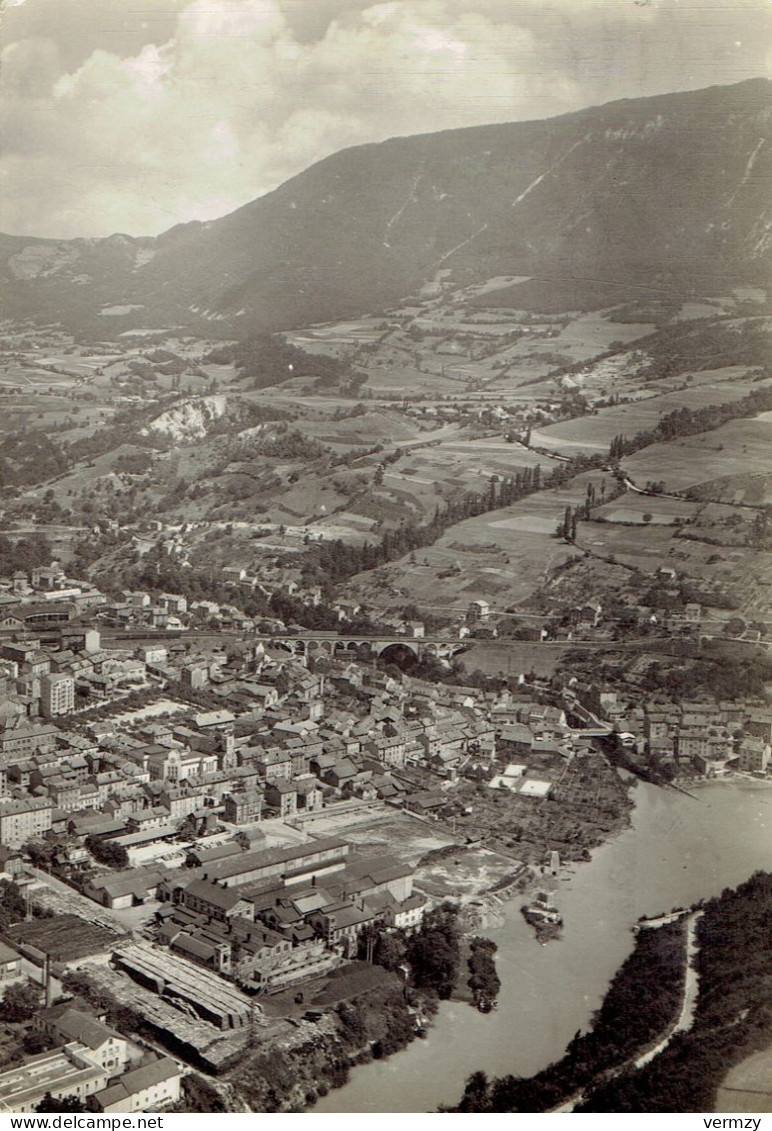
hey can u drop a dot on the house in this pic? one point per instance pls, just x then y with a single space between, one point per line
275 763
340 924
310 795
390 750
388 788
182 800
243 808
515 739
341 772
703 742
11 861
20 582
587 615
426 802
754 755
406 914
478 612
760 726
195 675
129 888
265 695
346 610
48 577
659 730
137 599
362 786
106 1047
147 1088
207 898
21 820
214 720
173 603
155 818
234 573
281 795
57 694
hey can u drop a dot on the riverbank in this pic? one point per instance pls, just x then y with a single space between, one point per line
734 779
732 1018
675 853
321 1047
642 1006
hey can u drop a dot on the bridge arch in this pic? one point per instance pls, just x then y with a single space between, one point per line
361 648
403 654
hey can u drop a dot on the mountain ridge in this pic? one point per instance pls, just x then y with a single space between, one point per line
661 191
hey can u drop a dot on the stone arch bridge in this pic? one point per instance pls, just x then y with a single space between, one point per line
358 647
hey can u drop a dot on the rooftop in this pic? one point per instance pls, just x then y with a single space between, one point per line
138 1080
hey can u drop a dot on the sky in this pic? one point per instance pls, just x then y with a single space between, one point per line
135 115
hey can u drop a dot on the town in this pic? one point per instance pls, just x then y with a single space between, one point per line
205 826
385 559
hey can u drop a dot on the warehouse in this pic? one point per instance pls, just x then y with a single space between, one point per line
185 985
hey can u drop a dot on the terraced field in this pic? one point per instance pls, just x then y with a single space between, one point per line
501 556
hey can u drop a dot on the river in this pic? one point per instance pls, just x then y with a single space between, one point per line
676 851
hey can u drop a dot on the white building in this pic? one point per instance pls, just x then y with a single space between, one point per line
57 694
147 1088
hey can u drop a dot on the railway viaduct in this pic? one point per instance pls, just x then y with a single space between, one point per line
365 647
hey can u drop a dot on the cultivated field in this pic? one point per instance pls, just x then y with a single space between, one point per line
594 433
513 657
501 557
361 431
632 508
741 447
748 1086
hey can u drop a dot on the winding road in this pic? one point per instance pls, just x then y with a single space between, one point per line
682 1023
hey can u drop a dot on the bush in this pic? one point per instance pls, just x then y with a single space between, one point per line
20 1003
201 1095
107 852
434 953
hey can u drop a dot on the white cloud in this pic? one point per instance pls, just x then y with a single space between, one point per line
241 95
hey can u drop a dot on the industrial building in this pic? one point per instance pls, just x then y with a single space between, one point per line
64 1072
187 986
